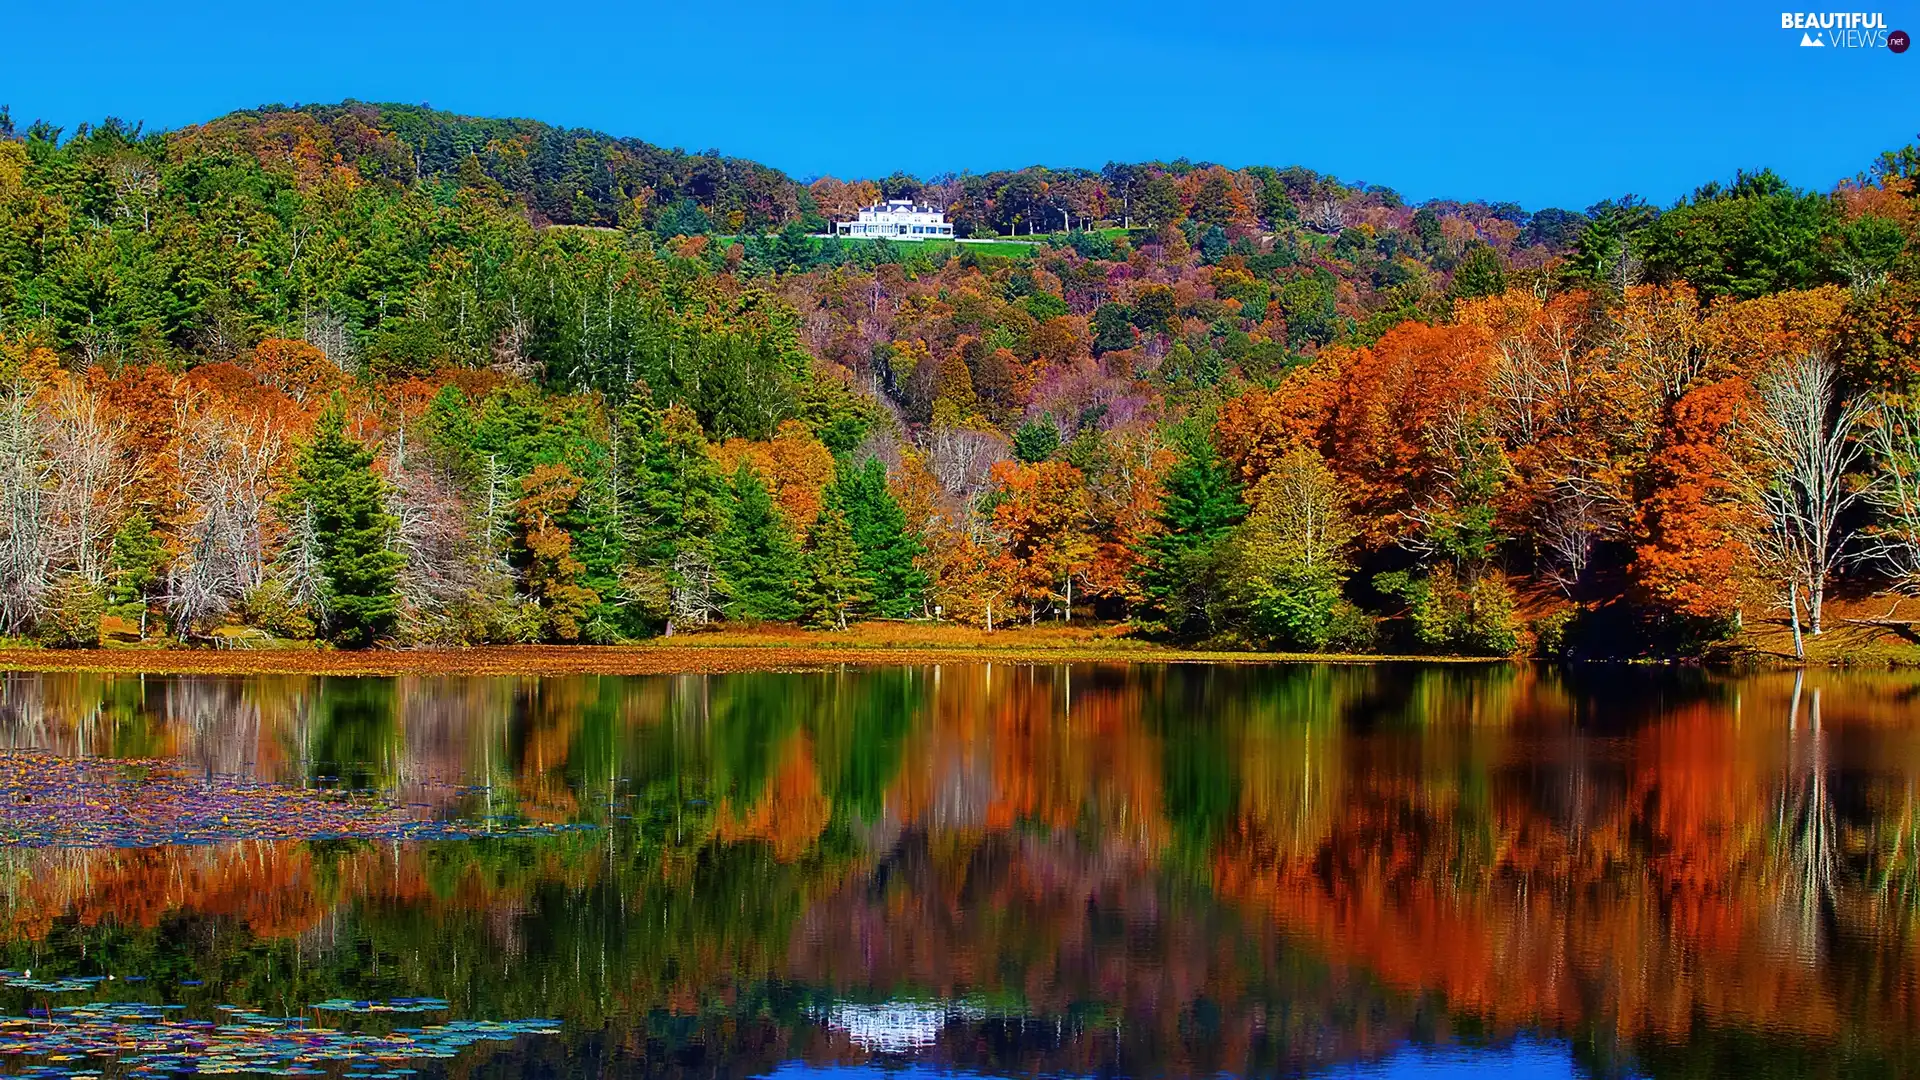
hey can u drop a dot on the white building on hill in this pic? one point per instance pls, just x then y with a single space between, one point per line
897 219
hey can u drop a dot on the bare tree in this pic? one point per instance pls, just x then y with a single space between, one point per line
26 477
99 345
135 186
330 334
1537 378
1892 433
695 599
1660 343
297 567
225 465
435 538
961 458
92 481
1327 216
1803 435
1452 519
1576 517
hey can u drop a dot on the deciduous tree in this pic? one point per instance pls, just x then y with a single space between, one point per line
1042 514
1804 434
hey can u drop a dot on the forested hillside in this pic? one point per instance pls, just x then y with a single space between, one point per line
377 374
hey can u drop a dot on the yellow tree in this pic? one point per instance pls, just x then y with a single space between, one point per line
794 465
553 574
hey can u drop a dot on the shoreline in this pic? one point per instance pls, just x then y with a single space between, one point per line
646 659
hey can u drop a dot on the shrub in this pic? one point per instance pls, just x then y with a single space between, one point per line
1553 633
74 609
1474 618
270 607
1351 630
1292 610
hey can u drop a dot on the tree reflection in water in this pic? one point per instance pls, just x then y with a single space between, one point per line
1147 870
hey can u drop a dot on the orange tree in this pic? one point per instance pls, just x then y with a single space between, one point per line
1044 513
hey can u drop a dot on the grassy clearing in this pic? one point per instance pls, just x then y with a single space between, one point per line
1848 640
1003 248
939 250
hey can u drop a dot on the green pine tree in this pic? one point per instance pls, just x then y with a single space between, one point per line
1036 441
132 568
334 481
449 431
833 588
896 586
1179 570
673 502
756 556
672 493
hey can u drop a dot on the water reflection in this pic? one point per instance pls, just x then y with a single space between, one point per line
1166 870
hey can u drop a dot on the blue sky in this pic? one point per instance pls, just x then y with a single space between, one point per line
1544 104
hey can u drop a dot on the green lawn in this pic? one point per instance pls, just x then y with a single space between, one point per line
1012 247
1001 247
939 249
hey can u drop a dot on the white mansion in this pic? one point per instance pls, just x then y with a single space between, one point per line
899 219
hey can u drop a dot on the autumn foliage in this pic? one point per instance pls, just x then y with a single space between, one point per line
1543 417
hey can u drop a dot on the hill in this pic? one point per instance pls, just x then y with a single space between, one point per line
1255 406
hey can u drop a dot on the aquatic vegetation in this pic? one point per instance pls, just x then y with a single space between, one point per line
141 1040
52 801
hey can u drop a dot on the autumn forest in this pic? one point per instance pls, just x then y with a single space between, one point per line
379 375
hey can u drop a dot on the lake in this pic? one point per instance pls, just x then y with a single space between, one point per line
1115 870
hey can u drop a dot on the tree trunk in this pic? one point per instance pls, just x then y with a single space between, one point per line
1793 605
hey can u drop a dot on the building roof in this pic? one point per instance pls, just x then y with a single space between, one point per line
900 204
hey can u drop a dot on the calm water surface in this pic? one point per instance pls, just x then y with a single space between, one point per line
1390 870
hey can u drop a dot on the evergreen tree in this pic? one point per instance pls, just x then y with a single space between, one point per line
132 568
335 483
591 517
524 434
1036 441
887 548
756 556
670 488
1480 273
449 432
1179 570
833 587
1213 244
672 499
1112 328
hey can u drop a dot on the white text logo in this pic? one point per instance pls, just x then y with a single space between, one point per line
1837 29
